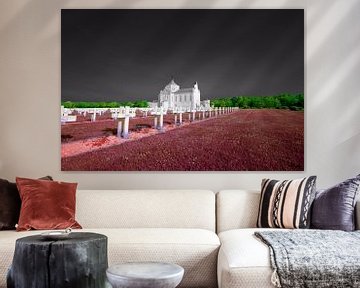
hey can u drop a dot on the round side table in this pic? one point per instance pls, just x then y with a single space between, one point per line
78 261
145 275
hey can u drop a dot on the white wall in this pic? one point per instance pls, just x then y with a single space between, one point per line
30 94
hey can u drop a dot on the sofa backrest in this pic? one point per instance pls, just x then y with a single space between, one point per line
239 209
236 209
146 209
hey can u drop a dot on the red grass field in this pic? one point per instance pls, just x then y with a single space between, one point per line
246 140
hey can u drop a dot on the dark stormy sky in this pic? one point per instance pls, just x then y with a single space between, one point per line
117 55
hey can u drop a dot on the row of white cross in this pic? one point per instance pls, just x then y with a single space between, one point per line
126 113
123 126
120 112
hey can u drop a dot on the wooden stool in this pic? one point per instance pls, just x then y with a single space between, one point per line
78 261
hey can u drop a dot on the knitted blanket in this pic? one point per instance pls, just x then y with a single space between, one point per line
313 258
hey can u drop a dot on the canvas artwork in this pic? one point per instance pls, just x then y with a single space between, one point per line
182 90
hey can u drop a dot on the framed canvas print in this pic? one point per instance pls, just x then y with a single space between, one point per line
182 90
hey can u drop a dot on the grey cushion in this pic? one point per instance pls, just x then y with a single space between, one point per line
334 208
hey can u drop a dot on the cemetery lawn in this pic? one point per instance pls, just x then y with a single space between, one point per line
245 140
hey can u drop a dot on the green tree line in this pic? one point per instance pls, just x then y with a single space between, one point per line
114 104
282 101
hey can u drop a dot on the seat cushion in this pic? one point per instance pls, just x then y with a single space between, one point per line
196 250
244 261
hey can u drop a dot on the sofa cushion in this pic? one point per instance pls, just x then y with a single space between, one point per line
194 249
10 204
236 209
146 209
46 204
244 261
286 204
334 208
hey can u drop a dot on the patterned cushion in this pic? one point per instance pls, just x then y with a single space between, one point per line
286 204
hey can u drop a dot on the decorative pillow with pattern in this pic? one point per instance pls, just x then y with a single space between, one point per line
286 204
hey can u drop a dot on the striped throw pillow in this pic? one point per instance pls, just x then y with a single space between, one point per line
286 204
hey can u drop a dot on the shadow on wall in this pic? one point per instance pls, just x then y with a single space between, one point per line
334 59
44 10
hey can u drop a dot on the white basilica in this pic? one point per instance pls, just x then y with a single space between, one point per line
185 99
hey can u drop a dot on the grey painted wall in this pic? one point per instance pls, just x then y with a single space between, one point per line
30 94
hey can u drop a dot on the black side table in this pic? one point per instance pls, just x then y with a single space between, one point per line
78 261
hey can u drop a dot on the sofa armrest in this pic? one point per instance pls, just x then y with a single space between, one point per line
357 215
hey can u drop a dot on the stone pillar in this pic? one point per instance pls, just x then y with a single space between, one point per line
194 115
93 117
203 115
155 122
161 124
175 119
126 127
189 116
180 118
119 129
